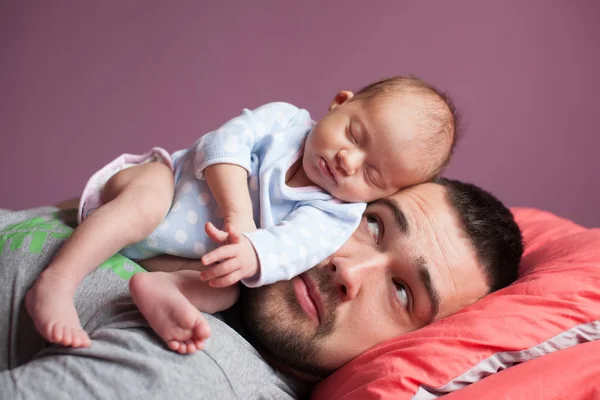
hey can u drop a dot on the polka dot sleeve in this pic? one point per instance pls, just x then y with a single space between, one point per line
234 142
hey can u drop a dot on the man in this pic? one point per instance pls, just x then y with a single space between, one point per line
416 257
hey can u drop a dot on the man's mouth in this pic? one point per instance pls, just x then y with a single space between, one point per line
308 297
327 171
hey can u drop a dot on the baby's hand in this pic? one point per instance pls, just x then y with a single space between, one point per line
236 258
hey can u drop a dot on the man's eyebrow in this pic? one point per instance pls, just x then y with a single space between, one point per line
399 216
420 264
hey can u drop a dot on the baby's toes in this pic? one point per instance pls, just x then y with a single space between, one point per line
191 347
55 332
80 338
76 340
202 330
67 336
182 348
174 345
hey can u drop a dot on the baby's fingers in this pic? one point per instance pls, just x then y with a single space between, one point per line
227 280
219 254
220 270
215 234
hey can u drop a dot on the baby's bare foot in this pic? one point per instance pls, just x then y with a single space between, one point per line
50 305
169 313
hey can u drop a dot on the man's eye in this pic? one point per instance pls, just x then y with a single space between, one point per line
374 228
402 293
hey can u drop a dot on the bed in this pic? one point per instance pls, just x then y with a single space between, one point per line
536 339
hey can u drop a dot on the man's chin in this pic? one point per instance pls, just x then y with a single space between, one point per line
275 319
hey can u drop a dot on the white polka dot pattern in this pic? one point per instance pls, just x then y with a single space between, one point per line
285 239
187 187
199 248
181 236
176 206
305 232
152 241
192 217
204 198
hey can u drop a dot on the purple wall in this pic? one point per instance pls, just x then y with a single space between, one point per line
82 81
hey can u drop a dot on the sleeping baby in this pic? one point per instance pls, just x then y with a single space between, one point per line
304 183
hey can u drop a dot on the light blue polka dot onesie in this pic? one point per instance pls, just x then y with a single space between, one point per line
299 227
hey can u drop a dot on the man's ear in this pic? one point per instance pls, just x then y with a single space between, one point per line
341 98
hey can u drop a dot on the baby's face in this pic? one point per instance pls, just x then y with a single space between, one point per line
366 149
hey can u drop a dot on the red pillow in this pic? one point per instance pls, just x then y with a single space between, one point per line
554 304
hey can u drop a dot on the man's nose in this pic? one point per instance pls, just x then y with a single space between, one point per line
351 275
350 160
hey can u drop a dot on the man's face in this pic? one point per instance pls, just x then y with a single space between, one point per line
409 263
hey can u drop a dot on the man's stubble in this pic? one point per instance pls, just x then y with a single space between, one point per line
276 320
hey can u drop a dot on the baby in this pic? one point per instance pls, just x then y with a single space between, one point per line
304 183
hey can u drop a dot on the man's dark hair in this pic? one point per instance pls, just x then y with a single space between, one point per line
492 229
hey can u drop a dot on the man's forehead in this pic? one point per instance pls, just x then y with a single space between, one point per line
433 223
428 199
430 223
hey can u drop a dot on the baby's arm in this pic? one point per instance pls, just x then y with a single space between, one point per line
223 158
305 238
229 186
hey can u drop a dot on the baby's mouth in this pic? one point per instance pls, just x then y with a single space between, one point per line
326 170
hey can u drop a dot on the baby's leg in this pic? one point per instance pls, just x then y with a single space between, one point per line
171 302
136 201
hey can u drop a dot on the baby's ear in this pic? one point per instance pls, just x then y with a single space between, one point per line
341 98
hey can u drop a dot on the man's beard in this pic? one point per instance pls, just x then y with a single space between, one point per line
277 321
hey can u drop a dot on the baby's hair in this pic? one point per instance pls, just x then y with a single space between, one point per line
441 115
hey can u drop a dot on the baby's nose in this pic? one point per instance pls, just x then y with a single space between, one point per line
349 161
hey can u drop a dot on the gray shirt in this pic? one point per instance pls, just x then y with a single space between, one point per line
126 359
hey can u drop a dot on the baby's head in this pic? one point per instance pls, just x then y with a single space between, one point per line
389 135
